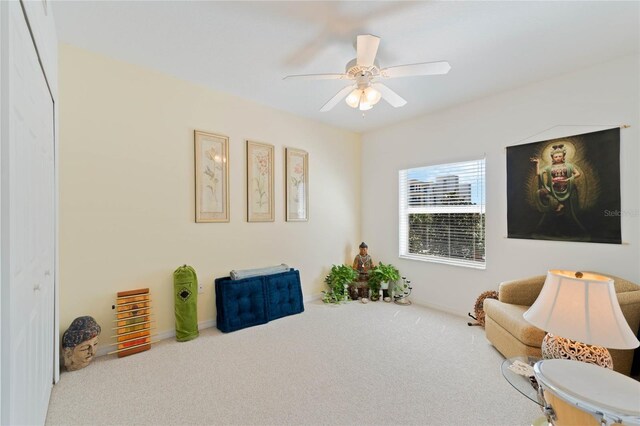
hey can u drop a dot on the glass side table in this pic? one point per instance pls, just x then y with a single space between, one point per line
521 383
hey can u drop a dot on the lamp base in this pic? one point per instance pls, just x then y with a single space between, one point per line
556 347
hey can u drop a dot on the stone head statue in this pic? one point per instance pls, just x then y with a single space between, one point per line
79 343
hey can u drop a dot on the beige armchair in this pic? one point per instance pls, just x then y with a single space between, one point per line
512 335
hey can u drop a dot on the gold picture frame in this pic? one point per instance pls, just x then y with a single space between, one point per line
212 177
296 185
260 192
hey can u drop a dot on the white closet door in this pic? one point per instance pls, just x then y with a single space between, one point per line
29 221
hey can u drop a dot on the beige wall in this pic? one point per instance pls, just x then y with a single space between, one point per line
600 95
127 189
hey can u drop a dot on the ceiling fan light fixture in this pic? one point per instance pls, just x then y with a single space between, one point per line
372 96
364 104
364 72
353 99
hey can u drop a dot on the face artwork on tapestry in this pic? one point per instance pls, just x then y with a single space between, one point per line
566 189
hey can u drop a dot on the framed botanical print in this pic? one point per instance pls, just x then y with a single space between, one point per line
297 185
212 177
260 204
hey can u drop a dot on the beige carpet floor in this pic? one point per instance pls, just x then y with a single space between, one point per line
377 363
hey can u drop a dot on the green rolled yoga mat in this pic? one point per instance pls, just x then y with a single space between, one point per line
185 293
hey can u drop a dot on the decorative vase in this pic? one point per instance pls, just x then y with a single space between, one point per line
385 291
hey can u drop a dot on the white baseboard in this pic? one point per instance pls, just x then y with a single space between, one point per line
168 334
312 297
104 350
172 333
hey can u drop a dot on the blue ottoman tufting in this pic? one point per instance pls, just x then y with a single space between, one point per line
257 300
284 294
240 303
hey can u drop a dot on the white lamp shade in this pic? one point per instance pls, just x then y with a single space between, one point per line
364 104
585 309
353 99
372 95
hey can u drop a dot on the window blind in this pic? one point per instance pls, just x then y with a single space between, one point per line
442 213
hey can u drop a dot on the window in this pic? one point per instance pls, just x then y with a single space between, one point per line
442 213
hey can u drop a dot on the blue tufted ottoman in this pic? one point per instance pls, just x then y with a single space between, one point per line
257 300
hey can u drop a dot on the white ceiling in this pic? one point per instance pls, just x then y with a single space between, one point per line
246 48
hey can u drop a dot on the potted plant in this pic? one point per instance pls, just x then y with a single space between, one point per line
384 274
374 284
338 280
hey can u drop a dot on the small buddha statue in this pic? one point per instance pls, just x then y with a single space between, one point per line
363 264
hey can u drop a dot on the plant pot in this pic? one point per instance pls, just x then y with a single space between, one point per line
375 297
363 291
384 285
353 291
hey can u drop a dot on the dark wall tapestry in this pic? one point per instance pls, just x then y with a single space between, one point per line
565 189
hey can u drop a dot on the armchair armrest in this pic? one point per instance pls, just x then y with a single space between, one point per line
629 298
630 306
521 292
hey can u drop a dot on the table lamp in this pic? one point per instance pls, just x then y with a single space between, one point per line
582 317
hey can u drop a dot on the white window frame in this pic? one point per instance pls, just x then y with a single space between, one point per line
405 209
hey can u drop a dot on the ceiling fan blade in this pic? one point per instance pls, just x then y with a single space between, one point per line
367 48
337 98
317 77
425 68
390 96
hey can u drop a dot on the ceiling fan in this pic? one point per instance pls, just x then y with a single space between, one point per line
366 90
